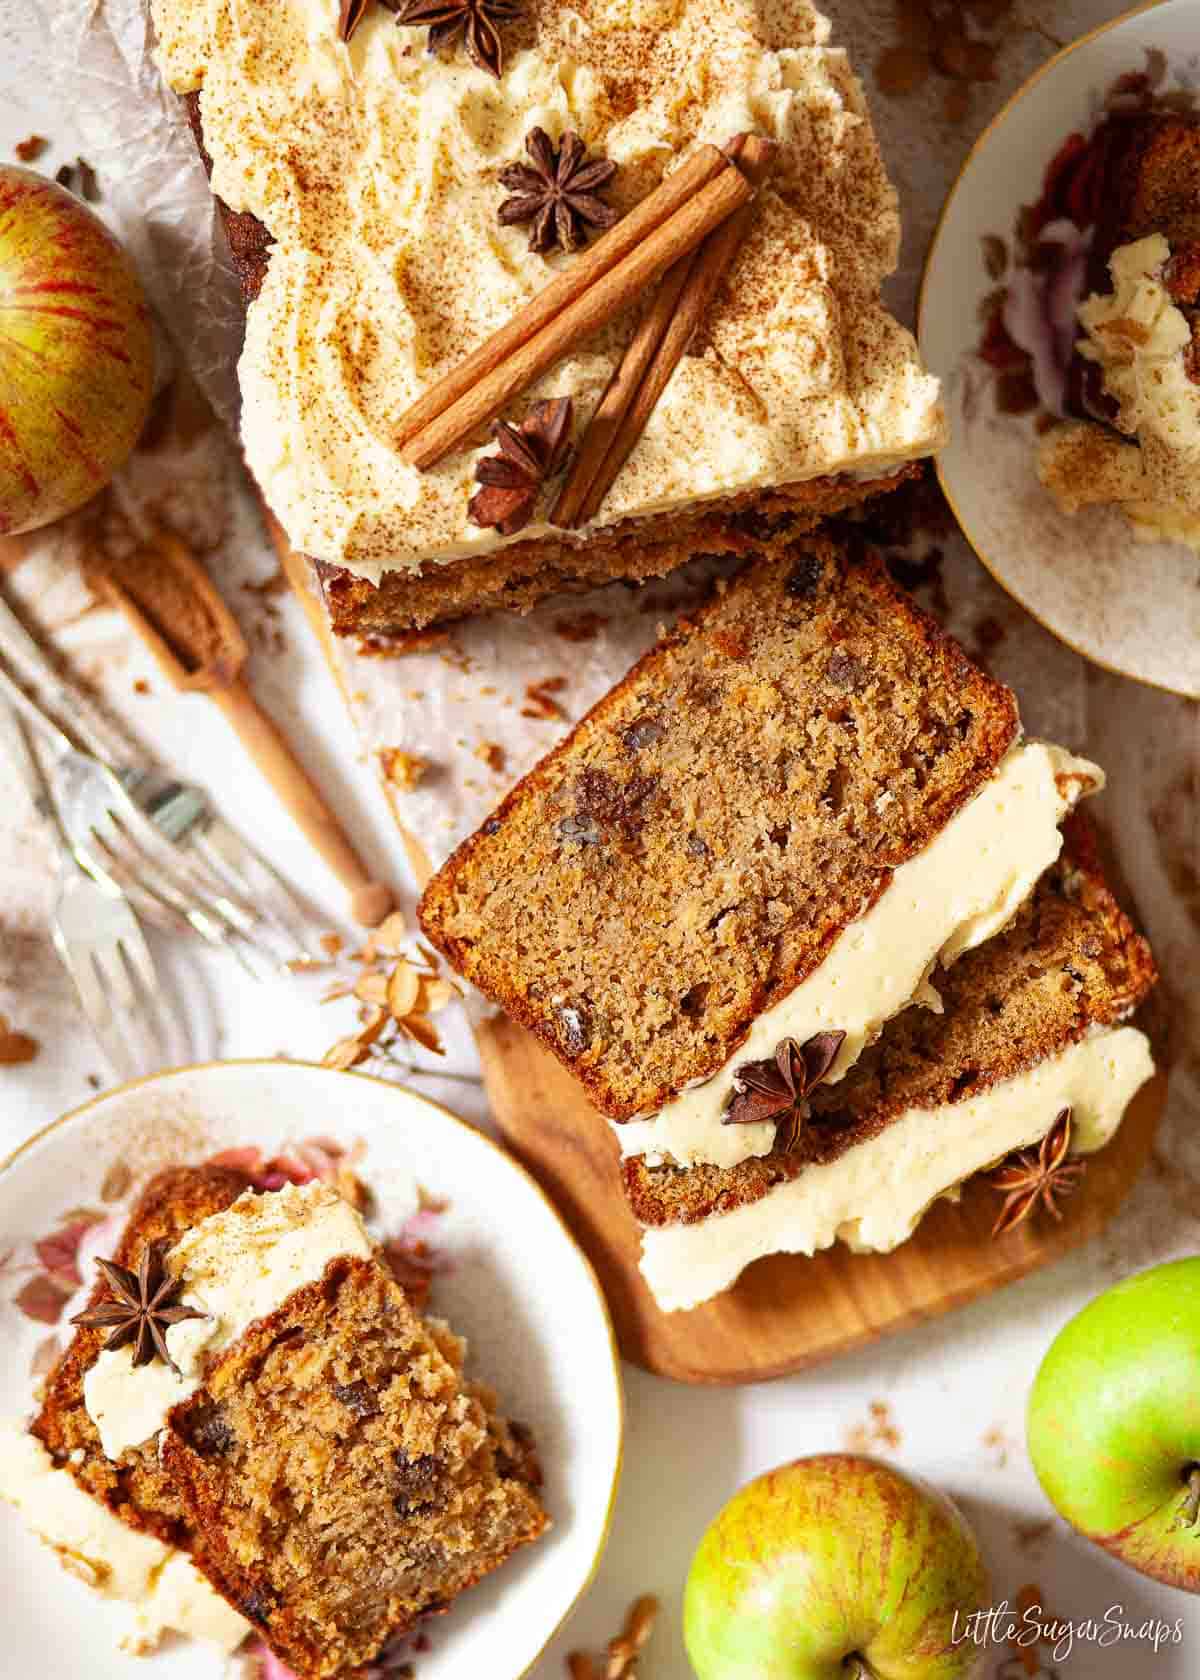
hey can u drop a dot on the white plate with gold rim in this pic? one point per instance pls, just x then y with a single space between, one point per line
1130 606
508 1276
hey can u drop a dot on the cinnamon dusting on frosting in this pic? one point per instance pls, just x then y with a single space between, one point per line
375 167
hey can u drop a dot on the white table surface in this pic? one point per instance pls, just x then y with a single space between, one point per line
945 1400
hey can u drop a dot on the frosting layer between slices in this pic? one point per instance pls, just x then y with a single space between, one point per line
963 888
873 1196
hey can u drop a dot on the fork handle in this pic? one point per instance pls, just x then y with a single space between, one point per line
370 900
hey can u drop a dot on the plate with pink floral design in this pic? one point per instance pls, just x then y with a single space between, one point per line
1023 240
469 1234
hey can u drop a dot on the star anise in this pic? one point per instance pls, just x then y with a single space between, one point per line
143 1309
777 1087
529 455
350 15
474 20
559 196
1037 1177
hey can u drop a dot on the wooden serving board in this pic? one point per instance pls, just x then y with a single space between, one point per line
786 1311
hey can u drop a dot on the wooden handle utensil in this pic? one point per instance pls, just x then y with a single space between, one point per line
173 604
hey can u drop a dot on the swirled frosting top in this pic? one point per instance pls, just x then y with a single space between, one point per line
375 168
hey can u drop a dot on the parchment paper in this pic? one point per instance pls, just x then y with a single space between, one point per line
469 695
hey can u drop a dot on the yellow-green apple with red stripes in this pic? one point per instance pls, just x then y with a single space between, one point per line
833 1568
76 352
1113 1422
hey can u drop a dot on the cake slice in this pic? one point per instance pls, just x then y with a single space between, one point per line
133 1485
396 1387
772 827
1029 1025
1133 438
344 1479
362 191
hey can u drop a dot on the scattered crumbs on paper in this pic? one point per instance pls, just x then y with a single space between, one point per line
878 1433
540 701
404 770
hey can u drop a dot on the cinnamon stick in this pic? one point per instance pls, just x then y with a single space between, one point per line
702 167
514 357
655 350
620 392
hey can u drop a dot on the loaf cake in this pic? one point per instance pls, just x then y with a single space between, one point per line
361 183
300 1357
1030 1024
793 803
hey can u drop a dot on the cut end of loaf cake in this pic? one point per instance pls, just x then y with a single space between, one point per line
696 845
402 608
1070 963
344 1478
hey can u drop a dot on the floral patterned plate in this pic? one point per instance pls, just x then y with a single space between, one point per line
496 1260
1131 606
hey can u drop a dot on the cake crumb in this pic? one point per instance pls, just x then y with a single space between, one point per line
31 148
1029 1536
583 627
490 753
16 1047
404 770
141 686
540 701
878 1433
995 1440
81 179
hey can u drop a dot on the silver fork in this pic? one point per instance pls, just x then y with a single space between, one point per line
116 844
225 890
101 946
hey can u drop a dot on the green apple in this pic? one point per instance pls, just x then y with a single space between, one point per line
833 1567
76 352
1114 1422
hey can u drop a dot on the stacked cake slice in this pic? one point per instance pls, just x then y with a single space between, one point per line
789 826
308 1463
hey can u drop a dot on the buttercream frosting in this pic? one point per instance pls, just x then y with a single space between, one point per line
873 1196
235 1267
375 168
1142 343
965 886
161 1585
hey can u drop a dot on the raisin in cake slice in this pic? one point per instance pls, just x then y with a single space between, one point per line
369 274
772 827
1030 1024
